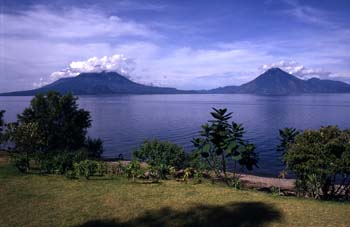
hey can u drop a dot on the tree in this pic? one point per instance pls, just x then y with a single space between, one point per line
220 140
61 123
321 161
2 125
27 139
287 136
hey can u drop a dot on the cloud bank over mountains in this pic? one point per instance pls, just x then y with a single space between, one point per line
296 69
125 66
115 63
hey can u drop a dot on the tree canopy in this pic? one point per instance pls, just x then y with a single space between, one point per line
2 125
321 161
61 123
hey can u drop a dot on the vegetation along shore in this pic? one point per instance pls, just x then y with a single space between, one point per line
53 174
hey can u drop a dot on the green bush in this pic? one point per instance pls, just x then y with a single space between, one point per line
195 160
133 170
59 162
276 191
27 138
161 155
236 183
320 159
89 168
20 161
94 147
188 173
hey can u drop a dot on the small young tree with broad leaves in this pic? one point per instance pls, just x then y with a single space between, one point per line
221 142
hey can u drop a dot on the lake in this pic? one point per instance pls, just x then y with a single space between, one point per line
123 122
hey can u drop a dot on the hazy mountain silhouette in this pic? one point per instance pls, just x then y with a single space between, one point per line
272 82
99 83
278 82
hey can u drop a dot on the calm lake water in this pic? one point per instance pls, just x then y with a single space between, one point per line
123 122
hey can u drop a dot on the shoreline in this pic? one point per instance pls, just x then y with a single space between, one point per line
249 180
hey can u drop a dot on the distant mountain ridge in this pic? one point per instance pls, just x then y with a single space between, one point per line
278 82
98 84
272 82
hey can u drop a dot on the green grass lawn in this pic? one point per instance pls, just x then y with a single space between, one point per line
34 200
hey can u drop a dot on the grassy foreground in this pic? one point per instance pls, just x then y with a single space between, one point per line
33 200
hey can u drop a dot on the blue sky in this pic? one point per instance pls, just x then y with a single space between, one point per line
182 44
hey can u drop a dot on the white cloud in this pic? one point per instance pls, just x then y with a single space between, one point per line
296 69
308 14
42 82
180 67
69 24
115 63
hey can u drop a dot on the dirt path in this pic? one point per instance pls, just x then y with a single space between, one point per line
267 182
257 182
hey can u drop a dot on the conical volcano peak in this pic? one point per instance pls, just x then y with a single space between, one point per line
274 71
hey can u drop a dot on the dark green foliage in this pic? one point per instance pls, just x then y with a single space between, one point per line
195 160
221 140
287 136
133 169
94 147
62 124
2 126
321 160
21 162
89 168
27 138
161 155
51 134
59 162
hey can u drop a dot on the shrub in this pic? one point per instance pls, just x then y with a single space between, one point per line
195 160
275 190
220 140
21 162
236 183
59 162
153 173
188 173
94 147
161 155
321 161
70 174
27 138
89 168
160 171
133 169
118 168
